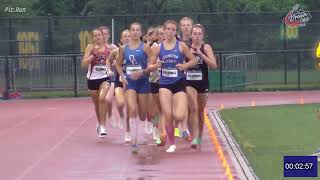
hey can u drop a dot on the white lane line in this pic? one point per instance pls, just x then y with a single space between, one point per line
52 149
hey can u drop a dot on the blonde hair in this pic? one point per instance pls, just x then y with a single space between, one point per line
106 28
126 30
185 19
95 29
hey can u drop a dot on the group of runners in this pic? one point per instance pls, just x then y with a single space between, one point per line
160 78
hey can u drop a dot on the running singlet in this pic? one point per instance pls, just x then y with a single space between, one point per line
98 68
135 60
170 58
198 73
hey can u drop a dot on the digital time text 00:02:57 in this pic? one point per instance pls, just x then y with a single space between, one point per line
300 166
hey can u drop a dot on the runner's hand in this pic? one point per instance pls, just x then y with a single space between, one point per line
158 63
110 73
181 67
124 82
136 75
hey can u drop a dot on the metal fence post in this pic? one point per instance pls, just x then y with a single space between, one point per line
285 68
49 35
11 46
220 71
75 76
7 78
299 70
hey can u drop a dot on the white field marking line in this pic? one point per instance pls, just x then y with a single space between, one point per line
51 150
5 131
240 163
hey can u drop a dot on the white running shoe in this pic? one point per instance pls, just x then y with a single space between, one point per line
171 149
148 127
113 122
127 137
121 123
102 131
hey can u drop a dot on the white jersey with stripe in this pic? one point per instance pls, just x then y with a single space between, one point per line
97 68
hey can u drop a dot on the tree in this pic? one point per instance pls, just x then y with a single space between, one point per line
47 7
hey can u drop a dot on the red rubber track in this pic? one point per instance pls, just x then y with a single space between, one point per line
55 139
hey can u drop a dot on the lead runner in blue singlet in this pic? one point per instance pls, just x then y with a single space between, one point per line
139 61
172 93
99 72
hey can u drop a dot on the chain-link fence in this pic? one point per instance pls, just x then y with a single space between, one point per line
238 71
265 71
43 73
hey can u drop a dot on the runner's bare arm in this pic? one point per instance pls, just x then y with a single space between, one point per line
209 57
119 63
109 69
112 47
151 60
88 57
113 55
192 60
156 51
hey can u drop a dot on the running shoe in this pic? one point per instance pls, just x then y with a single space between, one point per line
186 135
171 149
158 141
102 131
127 137
195 143
135 149
162 140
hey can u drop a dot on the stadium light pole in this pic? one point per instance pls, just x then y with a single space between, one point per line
112 30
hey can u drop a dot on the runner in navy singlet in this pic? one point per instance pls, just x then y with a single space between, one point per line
198 82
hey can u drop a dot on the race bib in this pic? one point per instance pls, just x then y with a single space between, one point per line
130 69
100 69
194 75
172 72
